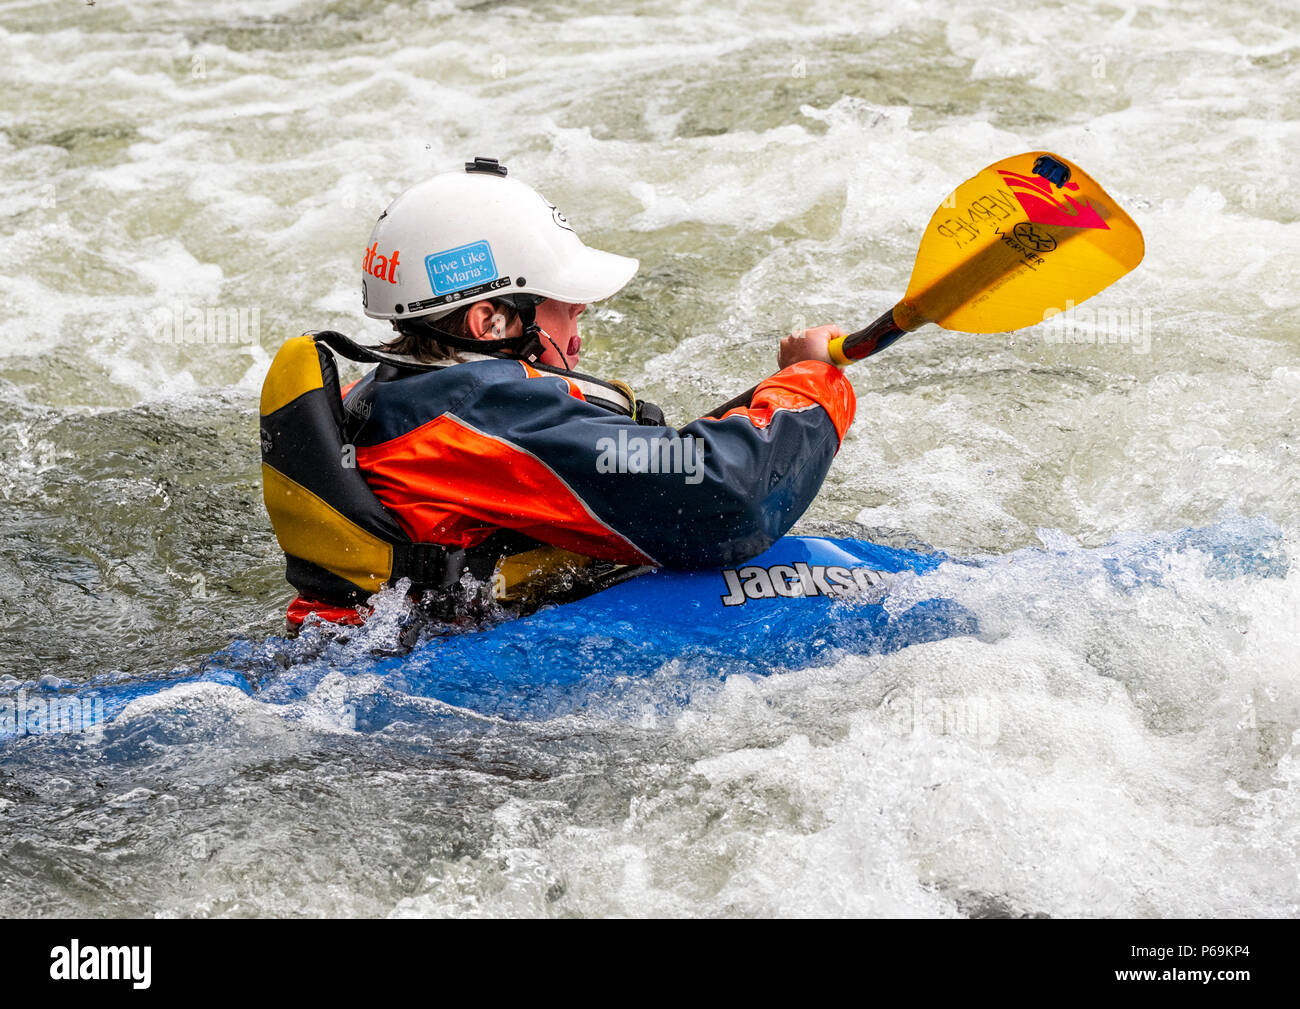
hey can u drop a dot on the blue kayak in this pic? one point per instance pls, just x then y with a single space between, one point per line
799 604
805 602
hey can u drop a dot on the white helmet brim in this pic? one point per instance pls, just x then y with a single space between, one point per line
588 275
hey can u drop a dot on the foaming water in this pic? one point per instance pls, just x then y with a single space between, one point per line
1112 703
1118 738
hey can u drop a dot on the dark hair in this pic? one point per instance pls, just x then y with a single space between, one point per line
418 338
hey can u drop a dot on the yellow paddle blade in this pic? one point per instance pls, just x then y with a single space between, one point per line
1010 244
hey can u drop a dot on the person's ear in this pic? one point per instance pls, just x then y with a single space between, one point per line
486 321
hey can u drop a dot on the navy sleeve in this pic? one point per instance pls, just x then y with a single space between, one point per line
711 493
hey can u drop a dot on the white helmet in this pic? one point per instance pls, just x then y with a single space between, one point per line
470 235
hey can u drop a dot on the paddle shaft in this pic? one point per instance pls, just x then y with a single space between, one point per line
854 347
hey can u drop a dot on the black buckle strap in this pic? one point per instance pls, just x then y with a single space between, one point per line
649 415
428 565
346 347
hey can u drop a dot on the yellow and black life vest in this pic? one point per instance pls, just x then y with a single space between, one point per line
341 544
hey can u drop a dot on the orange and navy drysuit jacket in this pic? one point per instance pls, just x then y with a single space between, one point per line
460 453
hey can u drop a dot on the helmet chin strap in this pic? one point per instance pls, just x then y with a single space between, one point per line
564 358
533 334
529 343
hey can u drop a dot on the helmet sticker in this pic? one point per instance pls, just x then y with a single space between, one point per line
381 266
464 266
559 218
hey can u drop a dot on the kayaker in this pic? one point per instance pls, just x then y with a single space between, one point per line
477 434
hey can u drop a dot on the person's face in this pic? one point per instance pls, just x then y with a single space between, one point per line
559 321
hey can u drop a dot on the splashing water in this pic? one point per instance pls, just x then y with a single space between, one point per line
1115 734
